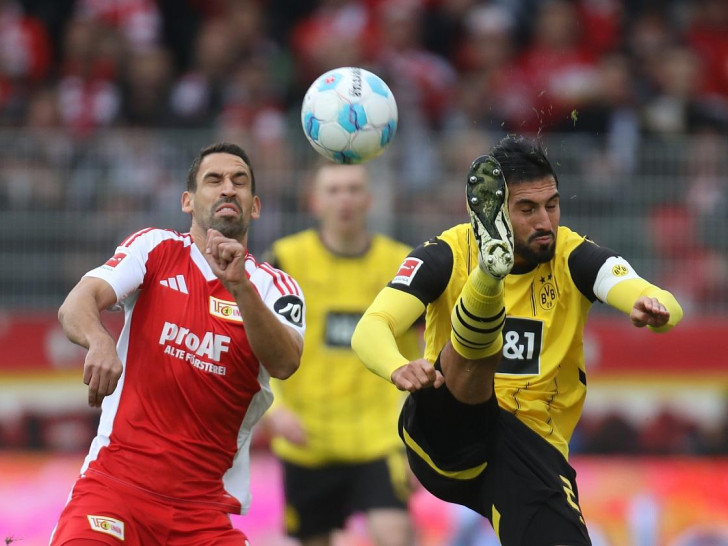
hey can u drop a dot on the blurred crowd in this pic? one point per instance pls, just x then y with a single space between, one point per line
608 66
667 432
104 102
464 72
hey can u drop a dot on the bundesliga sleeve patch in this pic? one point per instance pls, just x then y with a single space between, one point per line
407 271
290 307
115 260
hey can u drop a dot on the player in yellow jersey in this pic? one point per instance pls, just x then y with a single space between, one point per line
335 426
506 298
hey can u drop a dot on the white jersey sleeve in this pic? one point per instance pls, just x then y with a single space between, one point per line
281 294
126 269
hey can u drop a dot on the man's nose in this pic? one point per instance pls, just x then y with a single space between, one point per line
541 219
227 187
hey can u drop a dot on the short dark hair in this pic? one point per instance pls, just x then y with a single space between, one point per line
522 160
218 148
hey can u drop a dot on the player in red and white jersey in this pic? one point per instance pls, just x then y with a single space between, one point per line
205 328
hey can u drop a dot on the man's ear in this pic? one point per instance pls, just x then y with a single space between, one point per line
255 210
187 198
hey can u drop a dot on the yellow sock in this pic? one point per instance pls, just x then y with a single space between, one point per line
478 317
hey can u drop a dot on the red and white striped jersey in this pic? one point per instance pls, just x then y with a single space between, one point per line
180 421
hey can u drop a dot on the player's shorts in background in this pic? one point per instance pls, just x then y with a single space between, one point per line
321 499
112 513
483 457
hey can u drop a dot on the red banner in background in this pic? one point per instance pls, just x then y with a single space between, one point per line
614 346
36 342
32 342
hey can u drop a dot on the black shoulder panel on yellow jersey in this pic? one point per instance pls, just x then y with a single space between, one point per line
585 261
426 271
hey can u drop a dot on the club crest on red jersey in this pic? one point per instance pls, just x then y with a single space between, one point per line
110 526
226 310
407 271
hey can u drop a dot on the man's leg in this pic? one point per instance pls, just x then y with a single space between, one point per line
470 360
446 429
381 489
390 527
315 502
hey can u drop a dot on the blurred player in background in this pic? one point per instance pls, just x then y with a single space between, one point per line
506 299
334 423
206 327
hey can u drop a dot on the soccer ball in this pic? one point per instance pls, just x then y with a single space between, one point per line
349 115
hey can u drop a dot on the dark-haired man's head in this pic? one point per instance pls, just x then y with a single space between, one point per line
533 202
220 192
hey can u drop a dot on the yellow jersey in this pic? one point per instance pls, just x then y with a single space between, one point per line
541 377
348 413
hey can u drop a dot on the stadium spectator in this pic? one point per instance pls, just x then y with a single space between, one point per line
609 128
558 64
668 432
707 34
601 23
254 94
679 105
197 95
706 169
25 59
24 44
336 33
609 434
423 84
146 81
715 435
492 93
88 90
421 80
648 34
139 22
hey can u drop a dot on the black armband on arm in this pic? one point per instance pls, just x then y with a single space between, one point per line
584 263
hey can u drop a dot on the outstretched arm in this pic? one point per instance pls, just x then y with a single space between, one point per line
80 317
227 260
600 273
646 304
391 314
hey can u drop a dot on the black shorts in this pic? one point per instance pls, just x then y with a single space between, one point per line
485 458
321 499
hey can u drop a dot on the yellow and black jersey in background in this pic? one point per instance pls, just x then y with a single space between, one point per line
349 414
541 376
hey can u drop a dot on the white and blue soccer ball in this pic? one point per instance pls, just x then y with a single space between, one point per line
349 115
